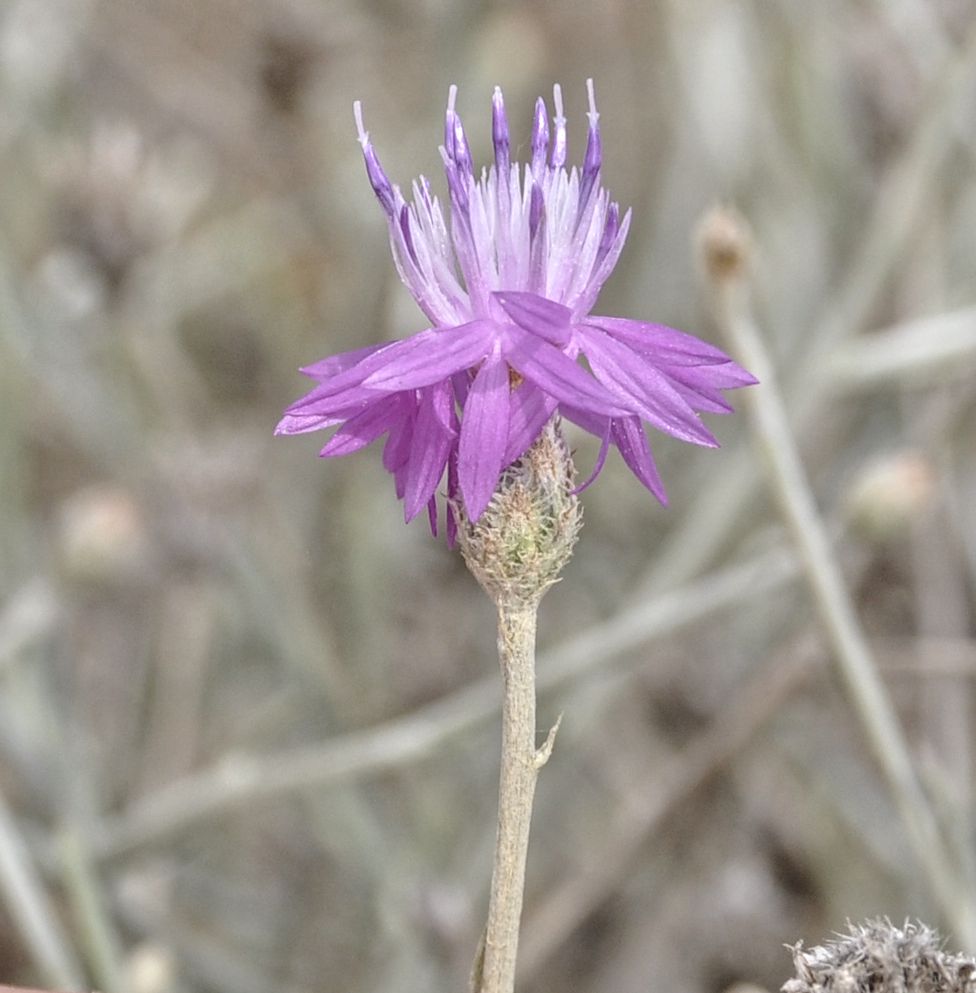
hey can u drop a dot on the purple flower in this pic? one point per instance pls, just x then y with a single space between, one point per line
507 289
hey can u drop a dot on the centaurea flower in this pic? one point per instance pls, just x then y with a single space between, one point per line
508 289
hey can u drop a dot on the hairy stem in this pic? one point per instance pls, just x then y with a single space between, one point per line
521 762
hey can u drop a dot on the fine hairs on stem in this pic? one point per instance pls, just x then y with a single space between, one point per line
725 246
516 551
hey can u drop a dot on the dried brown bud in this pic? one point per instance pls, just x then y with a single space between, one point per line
518 547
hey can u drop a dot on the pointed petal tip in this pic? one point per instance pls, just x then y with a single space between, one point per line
361 132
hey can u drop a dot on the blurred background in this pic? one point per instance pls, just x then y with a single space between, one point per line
248 725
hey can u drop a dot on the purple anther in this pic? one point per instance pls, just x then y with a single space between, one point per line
377 177
540 139
558 155
537 208
593 157
499 133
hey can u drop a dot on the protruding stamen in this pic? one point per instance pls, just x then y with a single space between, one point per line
558 156
540 139
377 177
499 134
449 117
591 96
357 113
593 157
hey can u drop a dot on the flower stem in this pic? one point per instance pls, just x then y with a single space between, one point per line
520 765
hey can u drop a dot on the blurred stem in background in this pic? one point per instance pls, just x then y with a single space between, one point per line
905 191
725 245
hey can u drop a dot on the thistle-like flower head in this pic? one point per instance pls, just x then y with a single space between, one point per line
507 287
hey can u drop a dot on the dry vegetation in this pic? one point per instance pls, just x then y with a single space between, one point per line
248 736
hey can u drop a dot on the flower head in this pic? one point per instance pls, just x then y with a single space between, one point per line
508 288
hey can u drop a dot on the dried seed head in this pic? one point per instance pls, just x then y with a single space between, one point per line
877 957
518 547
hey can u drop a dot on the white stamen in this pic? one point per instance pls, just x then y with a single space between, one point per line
451 97
557 99
357 111
592 113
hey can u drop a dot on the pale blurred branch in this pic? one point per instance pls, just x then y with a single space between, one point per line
240 780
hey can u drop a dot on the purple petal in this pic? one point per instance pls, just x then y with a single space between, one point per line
349 382
461 381
364 428
661 342
630 439
433 355
545 318
334 364
594 424
601 459
432 515
323 402
400 479
558 375
396 451
429 448
452 495
529 411
484 433
630 376
302 423
724 376
701 385
697 395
